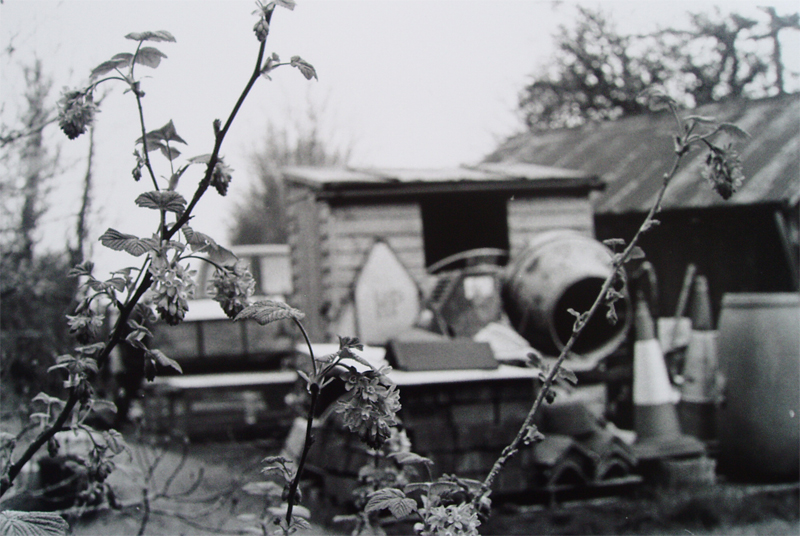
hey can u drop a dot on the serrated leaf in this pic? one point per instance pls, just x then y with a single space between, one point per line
115 283
122 59
350 342
391 499
85 268
163 134
160 35
168 200
117 241
405 458
305 68
268 311
15 523
149 57
164 361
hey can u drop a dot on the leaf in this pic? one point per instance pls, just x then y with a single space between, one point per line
149 56
533 435
391 499
288 4
168 200
161 35
117 241
636 253
120 60
49 400
98 404
266 488
116 283
614 242
85 268
405 458
170 152
164 361
567 375
306 68
165 133
700 119
349 354
200 159
733 130
13 523
114 441
350 342
268 311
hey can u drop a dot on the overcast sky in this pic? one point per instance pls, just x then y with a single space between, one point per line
427 83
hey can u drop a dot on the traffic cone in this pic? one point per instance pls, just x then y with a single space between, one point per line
699 390
655 415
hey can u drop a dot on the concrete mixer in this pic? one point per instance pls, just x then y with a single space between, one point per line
533 293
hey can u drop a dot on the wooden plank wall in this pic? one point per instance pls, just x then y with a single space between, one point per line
305 222
351 232
529 216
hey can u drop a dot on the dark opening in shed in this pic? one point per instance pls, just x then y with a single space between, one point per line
457 222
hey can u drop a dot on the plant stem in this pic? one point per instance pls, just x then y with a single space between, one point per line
511 449
15 468
309 440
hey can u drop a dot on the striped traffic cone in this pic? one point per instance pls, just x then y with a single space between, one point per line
655 417
699 390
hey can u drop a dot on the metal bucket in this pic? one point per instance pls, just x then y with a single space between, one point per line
759 354
558 271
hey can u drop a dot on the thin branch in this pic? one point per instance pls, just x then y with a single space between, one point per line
510 450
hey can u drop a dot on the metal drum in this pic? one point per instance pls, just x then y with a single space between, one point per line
759 354
558 271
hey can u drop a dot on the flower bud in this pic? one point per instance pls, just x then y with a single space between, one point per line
76 112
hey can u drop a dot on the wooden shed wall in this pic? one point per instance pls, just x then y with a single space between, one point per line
528 216
352 231
306 226
330 241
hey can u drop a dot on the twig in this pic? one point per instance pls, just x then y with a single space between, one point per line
510 450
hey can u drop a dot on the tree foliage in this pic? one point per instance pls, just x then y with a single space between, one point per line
599 73
260 213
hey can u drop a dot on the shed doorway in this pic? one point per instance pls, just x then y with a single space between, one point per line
456 222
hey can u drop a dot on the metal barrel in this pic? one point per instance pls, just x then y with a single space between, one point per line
558 271
759 415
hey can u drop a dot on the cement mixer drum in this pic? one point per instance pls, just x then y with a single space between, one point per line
558 271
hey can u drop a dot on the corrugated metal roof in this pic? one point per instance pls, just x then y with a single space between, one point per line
399 180
632 155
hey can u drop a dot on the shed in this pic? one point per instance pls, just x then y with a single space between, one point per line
424 215
748 243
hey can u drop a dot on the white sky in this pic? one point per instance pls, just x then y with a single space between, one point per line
409 83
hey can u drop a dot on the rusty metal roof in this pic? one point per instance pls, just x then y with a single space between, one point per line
378 181
632 155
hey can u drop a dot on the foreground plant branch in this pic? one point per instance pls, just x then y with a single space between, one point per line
77 113
725 176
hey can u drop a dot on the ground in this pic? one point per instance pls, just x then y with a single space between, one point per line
217 508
